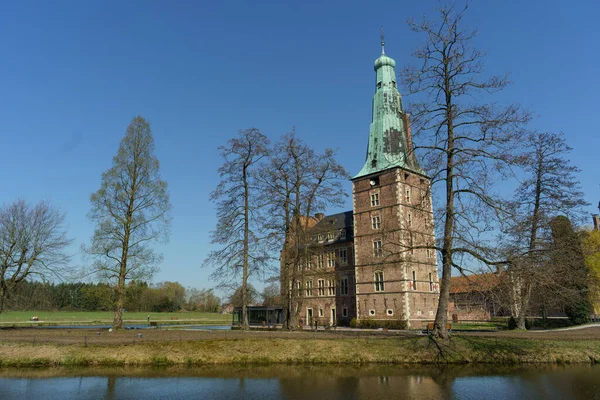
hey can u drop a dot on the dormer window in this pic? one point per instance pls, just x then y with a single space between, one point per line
343 234
330 235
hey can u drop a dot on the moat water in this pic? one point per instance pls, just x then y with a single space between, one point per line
304 382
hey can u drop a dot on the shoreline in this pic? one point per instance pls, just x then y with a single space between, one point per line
34 348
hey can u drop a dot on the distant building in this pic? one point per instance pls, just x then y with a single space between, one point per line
227 308
374 262
476 297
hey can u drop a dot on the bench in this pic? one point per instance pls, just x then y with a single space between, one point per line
430 327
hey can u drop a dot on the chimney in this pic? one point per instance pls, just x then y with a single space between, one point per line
319 216
596 218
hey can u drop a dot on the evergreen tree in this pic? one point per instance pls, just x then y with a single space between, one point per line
567 264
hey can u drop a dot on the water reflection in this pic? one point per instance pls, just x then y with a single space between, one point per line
304 382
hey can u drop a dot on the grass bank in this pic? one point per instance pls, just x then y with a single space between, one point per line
261 348
52 318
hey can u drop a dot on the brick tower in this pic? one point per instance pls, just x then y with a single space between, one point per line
395 272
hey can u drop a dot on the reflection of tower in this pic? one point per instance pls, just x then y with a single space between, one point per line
110 387
396 274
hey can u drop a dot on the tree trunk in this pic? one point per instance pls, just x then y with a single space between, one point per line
118 319
524 306
441 316
245 324
525 287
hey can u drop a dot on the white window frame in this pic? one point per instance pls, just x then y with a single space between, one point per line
431 287
331 258
343 255
321 287
330 236
407 195
375 199
378 281
320 260
377 248
342 234
309 287
376 222
331 287
409 218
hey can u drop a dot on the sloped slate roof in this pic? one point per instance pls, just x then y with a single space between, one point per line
342 220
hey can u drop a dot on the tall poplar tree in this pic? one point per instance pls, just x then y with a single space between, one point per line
131 211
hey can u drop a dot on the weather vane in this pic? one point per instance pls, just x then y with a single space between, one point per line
382 40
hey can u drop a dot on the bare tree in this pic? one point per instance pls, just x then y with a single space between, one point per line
550 188
296 183
131 210
237 298
32 245
204 300
271 295
239 207
465 141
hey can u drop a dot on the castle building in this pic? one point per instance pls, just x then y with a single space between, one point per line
374 262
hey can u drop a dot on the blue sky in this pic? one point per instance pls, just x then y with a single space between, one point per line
74 74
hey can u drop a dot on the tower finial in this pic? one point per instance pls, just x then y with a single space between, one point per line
382 41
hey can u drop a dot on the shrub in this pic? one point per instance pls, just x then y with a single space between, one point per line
512 323
354 323
579 312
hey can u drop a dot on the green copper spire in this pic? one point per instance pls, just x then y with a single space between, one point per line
390 139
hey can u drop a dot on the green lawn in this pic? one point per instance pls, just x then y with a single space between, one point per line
484 326
107 317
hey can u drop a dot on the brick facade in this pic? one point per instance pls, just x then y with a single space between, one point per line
325 284
396 272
